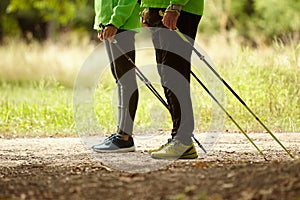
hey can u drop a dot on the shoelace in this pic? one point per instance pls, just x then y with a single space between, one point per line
110 137
199 144
170 146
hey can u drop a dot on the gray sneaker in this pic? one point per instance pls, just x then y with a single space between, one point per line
115 144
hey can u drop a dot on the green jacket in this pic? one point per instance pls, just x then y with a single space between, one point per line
123 14
190 6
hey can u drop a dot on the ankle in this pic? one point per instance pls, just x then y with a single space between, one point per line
124 136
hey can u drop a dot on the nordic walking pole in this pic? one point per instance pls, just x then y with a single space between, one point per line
202 57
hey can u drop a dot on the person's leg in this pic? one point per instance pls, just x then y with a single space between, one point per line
125 76
175 79
183 119
175 75
161 53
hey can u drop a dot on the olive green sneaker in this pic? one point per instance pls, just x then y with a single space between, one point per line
174 150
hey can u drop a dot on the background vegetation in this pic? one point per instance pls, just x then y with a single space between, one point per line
254 21
253 43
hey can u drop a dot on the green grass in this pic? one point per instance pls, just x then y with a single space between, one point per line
270 84
37 96
35 109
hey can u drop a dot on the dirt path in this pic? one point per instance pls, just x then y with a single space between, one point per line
65 168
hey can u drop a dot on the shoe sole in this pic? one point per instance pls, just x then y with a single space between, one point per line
120 150
187 156
175 158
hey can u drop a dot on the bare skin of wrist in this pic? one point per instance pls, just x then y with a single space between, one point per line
170 20
107 33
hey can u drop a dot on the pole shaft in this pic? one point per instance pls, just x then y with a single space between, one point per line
225 111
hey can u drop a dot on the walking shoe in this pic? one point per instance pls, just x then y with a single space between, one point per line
115 144
190 153
175 149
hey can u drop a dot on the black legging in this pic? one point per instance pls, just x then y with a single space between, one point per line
173 56
124 74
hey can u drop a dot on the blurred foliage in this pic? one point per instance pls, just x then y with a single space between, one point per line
41 19
280 17
252 21
59 10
